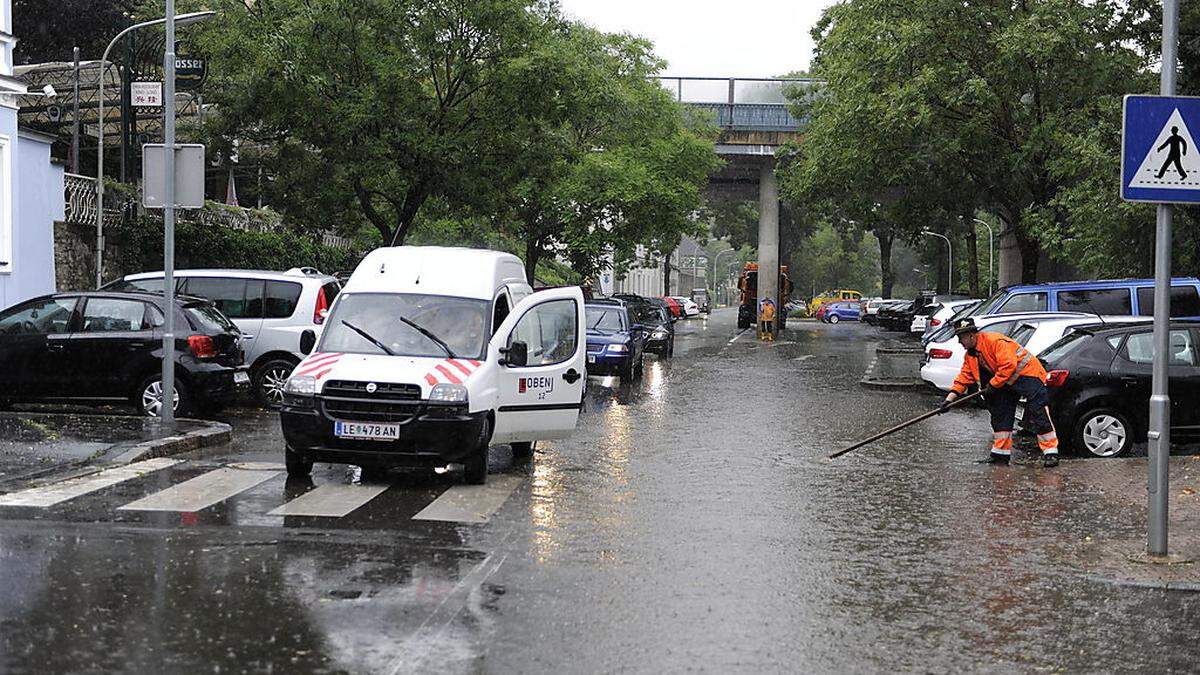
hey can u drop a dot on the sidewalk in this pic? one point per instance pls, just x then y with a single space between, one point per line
1120 558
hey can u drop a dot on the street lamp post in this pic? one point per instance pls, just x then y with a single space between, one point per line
949 259
991 239
182 20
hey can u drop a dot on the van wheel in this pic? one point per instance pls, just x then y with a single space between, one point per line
268 381
475 467
297 466
522 450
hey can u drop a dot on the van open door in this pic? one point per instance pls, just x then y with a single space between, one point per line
542 367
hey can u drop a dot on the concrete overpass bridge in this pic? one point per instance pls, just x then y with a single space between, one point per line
755 120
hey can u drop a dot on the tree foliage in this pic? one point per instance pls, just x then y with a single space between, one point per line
49 30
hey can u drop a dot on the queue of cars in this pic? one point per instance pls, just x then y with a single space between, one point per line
1095 340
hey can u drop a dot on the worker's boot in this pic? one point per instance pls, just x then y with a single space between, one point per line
1050 459
994 458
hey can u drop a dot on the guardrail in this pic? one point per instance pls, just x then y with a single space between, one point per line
757 104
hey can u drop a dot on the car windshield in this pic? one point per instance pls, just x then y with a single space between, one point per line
205 316
603 319
1065 345
459 322
988 306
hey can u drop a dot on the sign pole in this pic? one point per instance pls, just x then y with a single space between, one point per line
168 363
1160 400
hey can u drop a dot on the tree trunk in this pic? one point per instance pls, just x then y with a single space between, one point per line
972 257
667 274
533 253
886 277
1030 256
413 200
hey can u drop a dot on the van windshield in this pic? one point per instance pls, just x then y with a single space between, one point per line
460 322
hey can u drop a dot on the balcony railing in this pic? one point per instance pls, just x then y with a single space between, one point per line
752 104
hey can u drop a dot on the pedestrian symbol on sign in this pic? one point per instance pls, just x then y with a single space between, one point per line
1172 161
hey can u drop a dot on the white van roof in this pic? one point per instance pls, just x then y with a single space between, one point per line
436 270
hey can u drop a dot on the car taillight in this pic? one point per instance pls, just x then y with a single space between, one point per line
322 307
202 346
1057 378
935 322
940 353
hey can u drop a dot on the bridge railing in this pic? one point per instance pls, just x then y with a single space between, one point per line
759 104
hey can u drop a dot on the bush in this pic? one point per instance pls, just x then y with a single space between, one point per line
139 248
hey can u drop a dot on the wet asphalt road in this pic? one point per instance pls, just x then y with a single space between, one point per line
692 523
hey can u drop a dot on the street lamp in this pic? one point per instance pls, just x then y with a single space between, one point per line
991 239
949 258
182 20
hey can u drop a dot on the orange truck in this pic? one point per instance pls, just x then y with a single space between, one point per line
748 306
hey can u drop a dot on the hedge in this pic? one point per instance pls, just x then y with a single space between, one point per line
139 248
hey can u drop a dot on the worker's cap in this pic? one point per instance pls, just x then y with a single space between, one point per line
965 326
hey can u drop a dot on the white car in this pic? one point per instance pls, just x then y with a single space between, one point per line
430 355
1035 331
940 314
690 308
271 309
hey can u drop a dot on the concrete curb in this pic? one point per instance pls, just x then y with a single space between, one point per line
1184 586
212 433
893 384
899 350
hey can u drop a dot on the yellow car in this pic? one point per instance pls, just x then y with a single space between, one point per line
839 295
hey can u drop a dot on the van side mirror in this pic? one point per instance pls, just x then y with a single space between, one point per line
516 354
308 340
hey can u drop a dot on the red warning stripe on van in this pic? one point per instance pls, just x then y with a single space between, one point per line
453 371
320 364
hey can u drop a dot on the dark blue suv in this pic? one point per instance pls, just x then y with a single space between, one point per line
615 344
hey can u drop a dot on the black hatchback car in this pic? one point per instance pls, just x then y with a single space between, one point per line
107 346
1099 379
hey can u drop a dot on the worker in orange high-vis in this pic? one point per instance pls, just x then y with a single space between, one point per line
1009 373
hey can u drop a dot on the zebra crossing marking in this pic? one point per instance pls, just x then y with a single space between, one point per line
56 493
330 501
470 503
202 491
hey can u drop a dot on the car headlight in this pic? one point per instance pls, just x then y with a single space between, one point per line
660 333
618 349
301 385
448 393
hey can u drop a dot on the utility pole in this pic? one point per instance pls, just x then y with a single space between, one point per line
168 362
75 116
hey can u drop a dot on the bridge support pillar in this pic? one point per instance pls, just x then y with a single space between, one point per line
768 246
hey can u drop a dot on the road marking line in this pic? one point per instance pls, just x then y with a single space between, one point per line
330 501
470 503
49 495
202 491
735 337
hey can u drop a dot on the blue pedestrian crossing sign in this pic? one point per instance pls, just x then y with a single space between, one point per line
1160 161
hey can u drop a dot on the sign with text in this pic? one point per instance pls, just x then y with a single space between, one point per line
146 94
189 175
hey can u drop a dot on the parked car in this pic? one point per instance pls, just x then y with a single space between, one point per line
674 307
689 306
430 355
659 332
836 312
1035 331
700 297
896 316
1099 379
103 346
841 294
937 314
272 310
1122 297
614 345
942 322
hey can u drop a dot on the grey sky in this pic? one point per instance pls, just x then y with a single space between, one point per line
747 38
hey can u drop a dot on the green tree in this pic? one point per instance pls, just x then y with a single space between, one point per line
49 30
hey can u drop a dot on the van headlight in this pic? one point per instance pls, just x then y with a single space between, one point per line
448 393
301 385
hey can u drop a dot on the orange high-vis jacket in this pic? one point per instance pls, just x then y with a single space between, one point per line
1001 355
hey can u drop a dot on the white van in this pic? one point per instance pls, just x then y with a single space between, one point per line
429 355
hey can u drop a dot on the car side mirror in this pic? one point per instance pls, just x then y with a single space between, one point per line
308 340
516 354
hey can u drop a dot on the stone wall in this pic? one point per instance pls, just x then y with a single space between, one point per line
75 257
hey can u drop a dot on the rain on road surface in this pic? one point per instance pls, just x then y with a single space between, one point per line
692 523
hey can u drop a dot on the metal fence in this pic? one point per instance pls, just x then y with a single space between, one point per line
81 208
758 104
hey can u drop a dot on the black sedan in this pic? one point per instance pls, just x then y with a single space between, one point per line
107 346
1099 380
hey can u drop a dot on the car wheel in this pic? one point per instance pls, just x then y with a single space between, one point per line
1103 432
641 365
149 397
522 450
475 467
627 371
671 347
269 379
833 318
297 466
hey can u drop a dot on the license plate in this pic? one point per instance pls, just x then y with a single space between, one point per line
241 377
591 359
1020 414
370 431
